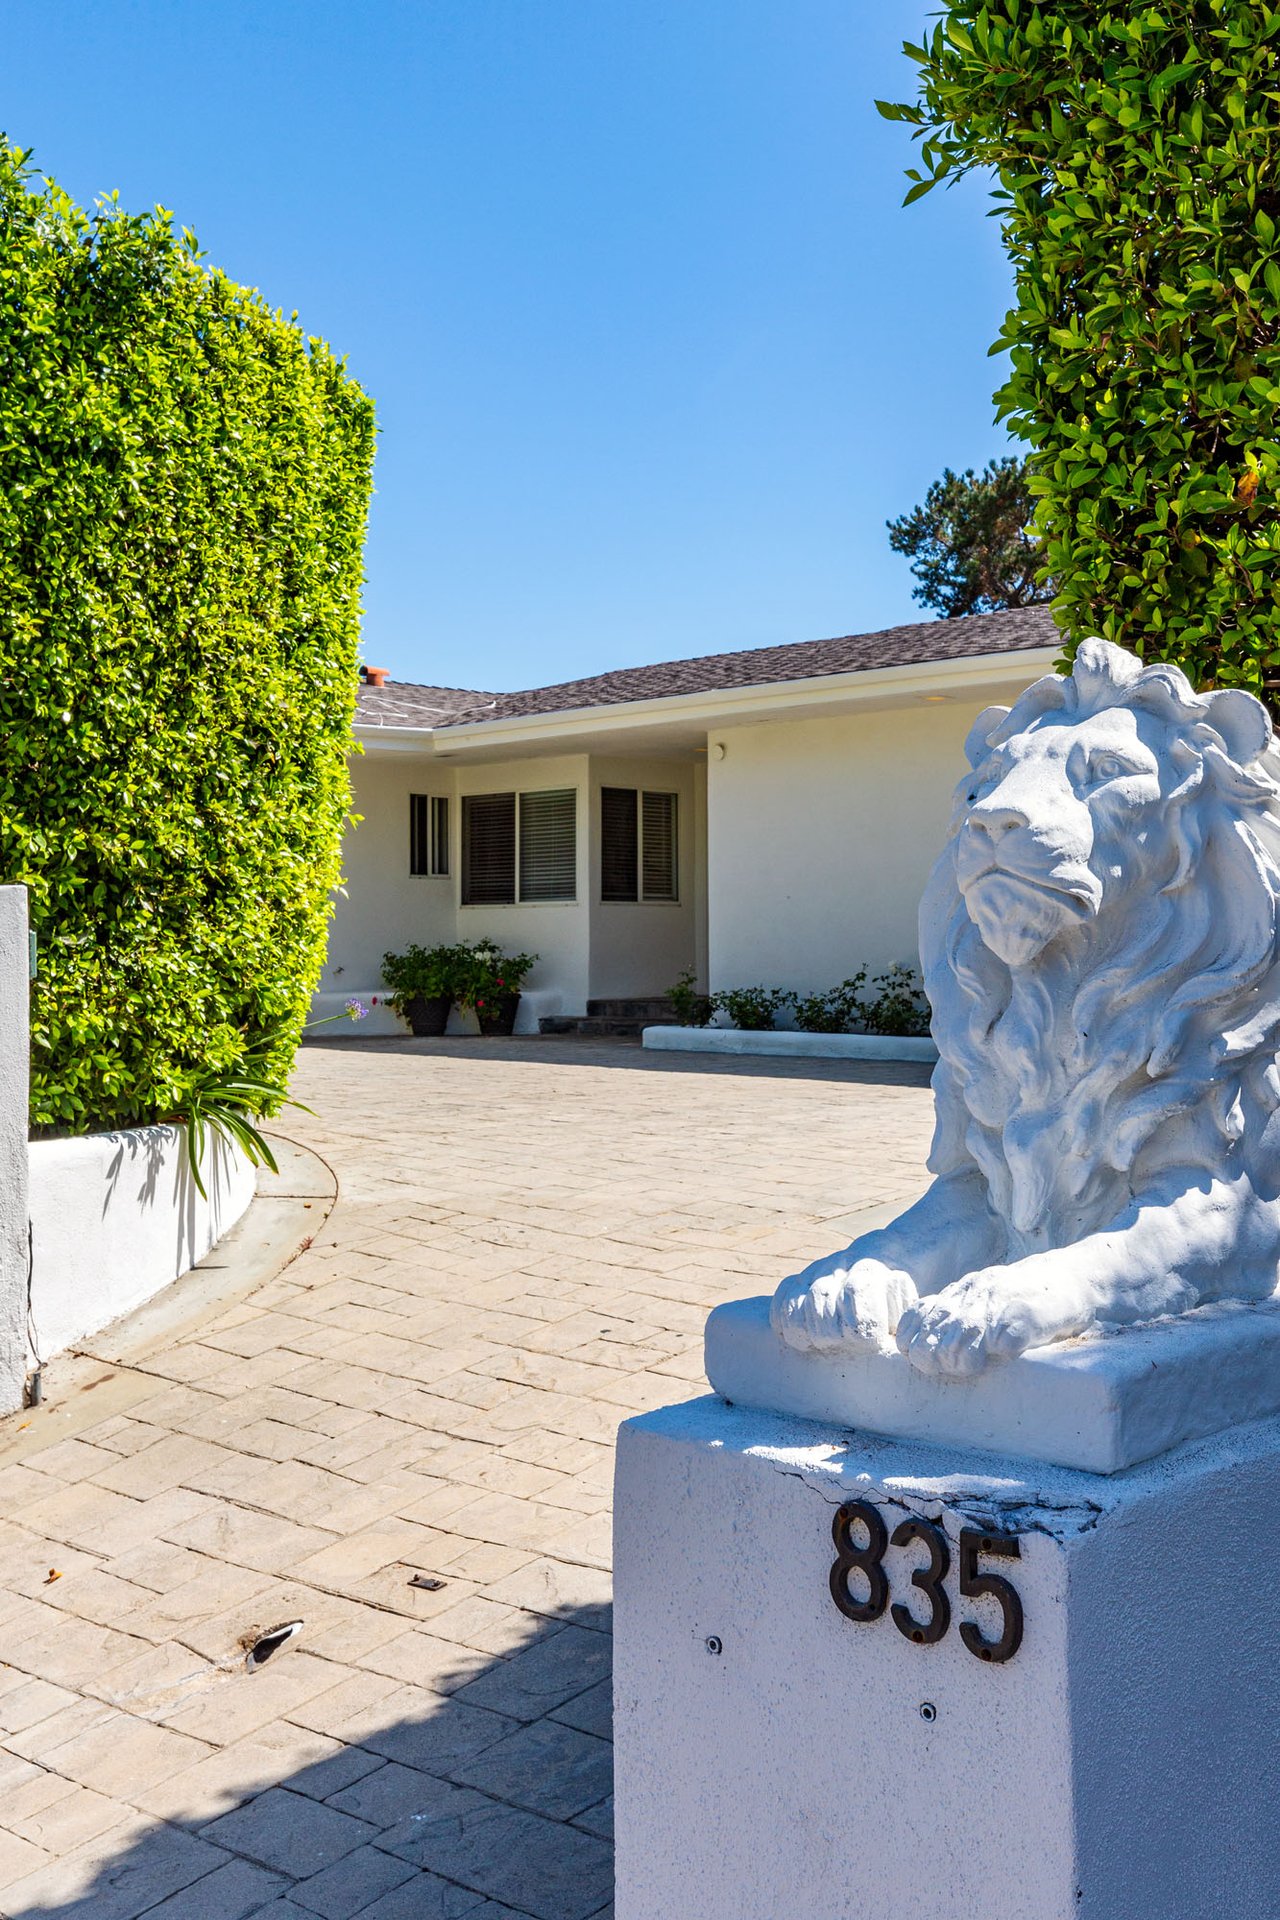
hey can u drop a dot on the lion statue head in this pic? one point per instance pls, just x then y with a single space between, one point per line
1099 939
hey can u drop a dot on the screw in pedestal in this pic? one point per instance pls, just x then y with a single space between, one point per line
928 1711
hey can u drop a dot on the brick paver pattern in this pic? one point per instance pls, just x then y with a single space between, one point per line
527 1240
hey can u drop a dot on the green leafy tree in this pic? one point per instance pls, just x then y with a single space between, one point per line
184 479
1137 157
970 543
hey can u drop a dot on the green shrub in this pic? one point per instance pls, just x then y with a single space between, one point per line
839 1010
184 478
900 1006
691 1008
1137 152
753 1009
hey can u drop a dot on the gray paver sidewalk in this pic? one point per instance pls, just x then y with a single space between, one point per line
527 1239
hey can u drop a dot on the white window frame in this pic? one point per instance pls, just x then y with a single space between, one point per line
641 896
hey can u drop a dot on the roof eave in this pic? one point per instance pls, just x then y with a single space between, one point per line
723 705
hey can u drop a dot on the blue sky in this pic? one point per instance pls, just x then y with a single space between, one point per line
655 348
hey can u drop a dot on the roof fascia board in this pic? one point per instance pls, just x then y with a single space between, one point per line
420 740
720 704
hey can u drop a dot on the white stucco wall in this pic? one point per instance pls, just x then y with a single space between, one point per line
642 946
384 907
820 835
115 1217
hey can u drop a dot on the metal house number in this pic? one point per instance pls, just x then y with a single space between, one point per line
864 1563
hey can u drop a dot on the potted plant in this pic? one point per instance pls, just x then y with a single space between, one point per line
424 984
492 983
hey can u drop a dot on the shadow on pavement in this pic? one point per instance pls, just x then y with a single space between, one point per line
557 1051
490 1799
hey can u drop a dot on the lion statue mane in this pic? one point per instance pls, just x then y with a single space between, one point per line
1100 940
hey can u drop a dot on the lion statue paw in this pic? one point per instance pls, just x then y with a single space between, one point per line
839 1303
963 1329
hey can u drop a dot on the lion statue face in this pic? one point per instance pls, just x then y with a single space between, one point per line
1061 826
1100 934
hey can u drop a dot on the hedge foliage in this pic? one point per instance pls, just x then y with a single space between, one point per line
184 480
1137 153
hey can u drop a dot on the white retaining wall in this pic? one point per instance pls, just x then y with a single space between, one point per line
115 1217
789 1041
380 1023
14 996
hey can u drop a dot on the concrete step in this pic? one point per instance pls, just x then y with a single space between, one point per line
650 1009
593 1026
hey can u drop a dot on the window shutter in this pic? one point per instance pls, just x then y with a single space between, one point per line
419 851
660 846
549 845
619 844
488 849
439 834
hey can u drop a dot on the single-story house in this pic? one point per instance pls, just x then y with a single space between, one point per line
764 817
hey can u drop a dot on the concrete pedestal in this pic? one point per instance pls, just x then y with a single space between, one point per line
779 1760
1103 1402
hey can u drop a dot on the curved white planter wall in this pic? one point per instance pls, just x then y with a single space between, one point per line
380 1023
115 1217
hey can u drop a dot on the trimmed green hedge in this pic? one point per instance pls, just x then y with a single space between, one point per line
184 481
1137 153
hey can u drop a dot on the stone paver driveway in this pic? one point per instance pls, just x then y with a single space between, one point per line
404 1441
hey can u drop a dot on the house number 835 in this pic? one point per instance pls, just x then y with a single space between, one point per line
860 1563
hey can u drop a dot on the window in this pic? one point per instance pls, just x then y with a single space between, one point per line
637 845
533 835
488 849
659 877
428 833
549 845
619 844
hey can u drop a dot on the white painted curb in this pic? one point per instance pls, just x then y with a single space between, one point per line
115 1217
791 1043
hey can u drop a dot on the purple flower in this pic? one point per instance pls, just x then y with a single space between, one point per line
356 1010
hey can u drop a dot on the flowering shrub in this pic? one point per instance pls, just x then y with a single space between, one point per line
488 976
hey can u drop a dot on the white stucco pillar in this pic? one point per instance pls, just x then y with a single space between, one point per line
14 1000
779 1758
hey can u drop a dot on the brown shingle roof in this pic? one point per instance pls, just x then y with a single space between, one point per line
403 704
1016 631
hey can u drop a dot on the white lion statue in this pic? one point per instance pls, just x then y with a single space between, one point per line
1100 944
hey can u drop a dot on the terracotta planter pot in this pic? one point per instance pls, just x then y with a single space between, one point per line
427 1016
498 1016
